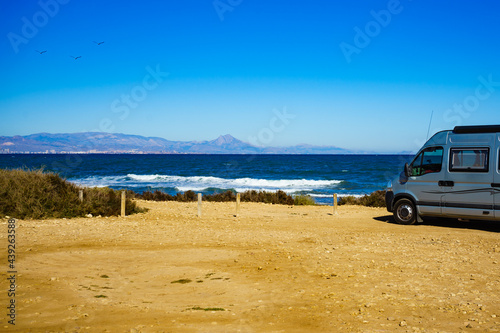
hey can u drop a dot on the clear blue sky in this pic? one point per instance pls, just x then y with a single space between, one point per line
362 75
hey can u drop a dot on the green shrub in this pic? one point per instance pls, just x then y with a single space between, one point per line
348 200
304 200
154 196
221 197
375 199
186 196
278 197
106 202
34 194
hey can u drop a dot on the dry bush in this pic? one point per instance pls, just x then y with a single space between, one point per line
227 196
304 200
34 194
154 196
278 197
375 199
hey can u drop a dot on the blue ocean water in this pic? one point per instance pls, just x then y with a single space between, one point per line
317 175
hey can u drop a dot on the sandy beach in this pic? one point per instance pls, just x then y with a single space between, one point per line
272 268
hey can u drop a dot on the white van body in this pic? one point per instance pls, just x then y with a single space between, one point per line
455 174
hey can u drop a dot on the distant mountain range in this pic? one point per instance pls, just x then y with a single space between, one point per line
111 143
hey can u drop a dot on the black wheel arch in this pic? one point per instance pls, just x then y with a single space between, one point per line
403 196
400 196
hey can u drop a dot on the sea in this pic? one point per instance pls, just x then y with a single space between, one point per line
319 176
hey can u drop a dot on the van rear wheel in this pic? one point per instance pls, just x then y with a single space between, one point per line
405 212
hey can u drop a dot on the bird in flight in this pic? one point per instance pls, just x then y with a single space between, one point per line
98 43
41 52
76 58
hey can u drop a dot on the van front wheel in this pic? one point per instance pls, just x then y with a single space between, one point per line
405 212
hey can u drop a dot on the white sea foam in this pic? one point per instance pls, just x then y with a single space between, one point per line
95 181
216 182
199 183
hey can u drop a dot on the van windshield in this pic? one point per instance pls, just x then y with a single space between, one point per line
429 160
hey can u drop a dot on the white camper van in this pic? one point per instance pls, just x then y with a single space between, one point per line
456 174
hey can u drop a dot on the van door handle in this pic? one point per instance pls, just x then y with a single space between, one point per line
495 185
448 183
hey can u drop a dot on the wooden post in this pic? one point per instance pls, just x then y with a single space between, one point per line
80 195
238 196
123 203
335 204
199 204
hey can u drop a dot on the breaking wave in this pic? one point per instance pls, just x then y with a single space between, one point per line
200 183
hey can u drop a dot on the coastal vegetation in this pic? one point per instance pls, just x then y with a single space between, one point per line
375 199
35 194
304 200
278 197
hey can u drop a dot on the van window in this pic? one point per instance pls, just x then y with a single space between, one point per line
469 159
428 161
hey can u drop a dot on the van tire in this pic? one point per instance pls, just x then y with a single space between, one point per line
405 212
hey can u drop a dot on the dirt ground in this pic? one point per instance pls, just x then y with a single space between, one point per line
271 269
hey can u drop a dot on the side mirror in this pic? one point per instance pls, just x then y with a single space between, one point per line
407 170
